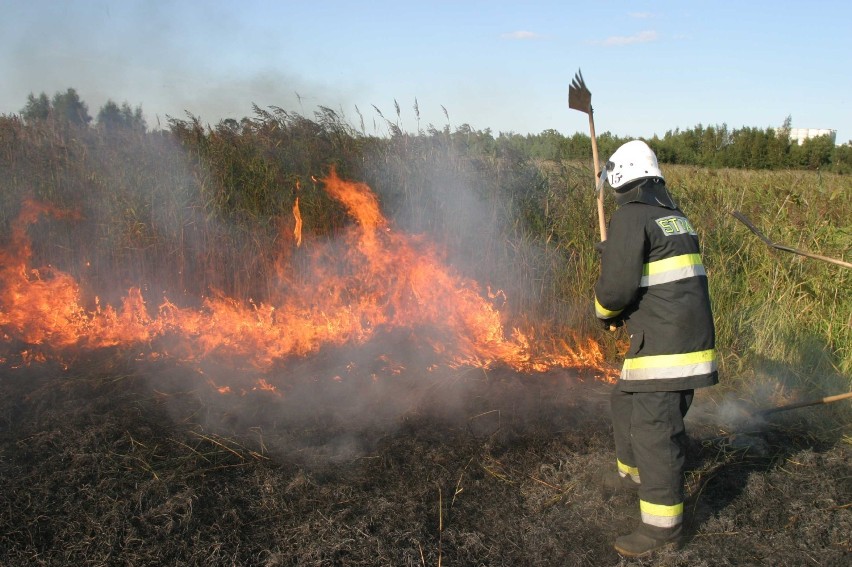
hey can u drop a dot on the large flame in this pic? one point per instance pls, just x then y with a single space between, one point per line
380 280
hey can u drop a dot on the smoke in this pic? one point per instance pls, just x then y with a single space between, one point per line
338 403
141 53
745 415
342 404
476 210
140 205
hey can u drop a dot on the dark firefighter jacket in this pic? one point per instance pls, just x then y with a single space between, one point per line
653 279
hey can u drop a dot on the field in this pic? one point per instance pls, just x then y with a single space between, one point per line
215 352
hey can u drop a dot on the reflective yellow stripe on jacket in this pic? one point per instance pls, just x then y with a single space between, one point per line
669 365
660 515
672 269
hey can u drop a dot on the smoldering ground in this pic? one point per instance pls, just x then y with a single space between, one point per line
111 461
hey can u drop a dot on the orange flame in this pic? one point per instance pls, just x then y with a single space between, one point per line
384 280
297 230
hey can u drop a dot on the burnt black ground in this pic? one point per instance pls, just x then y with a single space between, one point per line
112 461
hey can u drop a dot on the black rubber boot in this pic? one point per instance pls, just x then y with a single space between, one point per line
646 539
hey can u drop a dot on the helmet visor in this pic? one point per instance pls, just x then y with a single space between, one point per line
603 176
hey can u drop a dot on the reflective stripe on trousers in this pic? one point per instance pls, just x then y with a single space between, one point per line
660 515
627 470
649 432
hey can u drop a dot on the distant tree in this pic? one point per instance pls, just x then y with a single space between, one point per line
669 149
67 106
841 158
817 152
37 108
474 142
778 150
607 144
547 145
109 116
580 146
513 146
784 130
113 117
690 146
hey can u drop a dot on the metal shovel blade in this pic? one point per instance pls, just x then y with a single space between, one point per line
579 96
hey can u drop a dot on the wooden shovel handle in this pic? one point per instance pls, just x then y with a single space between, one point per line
600 196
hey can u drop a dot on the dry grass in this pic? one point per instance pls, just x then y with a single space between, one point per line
115 463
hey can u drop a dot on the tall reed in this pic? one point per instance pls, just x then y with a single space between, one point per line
197 209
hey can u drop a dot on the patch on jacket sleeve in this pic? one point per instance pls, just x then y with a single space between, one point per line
673 225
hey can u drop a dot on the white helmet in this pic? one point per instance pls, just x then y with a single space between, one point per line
633 160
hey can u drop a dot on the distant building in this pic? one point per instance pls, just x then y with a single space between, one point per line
799 135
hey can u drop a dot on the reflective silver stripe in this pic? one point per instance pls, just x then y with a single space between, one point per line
669 365
660 515
668 372
672 276
671 269
627 470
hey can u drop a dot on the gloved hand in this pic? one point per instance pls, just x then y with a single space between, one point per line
611 324
600 247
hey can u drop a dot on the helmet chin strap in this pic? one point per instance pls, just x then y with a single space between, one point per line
651 191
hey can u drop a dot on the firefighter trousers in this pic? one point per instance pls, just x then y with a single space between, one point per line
650 445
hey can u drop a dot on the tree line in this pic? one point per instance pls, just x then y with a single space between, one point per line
714 146
69 107
704 146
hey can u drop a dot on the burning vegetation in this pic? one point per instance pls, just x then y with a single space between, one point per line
371 280
211 357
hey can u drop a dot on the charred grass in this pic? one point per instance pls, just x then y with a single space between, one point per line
113 461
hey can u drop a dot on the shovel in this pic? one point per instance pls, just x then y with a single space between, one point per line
743 219
826 400
745 423
580 98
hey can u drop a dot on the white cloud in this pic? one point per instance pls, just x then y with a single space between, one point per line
641 37
641 15
521 35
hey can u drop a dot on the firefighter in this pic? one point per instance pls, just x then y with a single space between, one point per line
652 281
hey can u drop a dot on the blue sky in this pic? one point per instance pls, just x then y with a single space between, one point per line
652 66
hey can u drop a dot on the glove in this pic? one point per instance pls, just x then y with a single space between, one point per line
608 324
611 324
600 247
